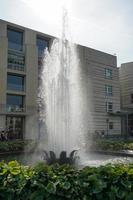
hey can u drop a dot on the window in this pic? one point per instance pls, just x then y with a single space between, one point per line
15 82
16 60
111 125
108 90
15 126
108 73
15 39
131 98
41 44
109 107
15 103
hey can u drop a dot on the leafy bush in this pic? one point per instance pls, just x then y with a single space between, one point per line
112 145
17 145
110 182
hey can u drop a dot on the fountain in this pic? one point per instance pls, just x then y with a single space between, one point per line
64 106
61 101
63 159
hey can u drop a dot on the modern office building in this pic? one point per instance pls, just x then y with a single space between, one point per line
126 95
103 74
20 60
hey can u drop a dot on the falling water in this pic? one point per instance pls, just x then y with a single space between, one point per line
61 96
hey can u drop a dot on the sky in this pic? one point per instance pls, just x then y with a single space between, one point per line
105 25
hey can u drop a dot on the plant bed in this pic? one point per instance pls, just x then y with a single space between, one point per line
16 146
43 182
112 145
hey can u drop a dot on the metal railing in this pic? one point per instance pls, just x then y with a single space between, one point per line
9 109
15 67
16 60
14 108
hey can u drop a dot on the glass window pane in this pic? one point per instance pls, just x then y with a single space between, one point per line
41 44
108 90
15 39
131 98
15 103
14 100
108 73
14 125
111 125
16 60
109 106
15 82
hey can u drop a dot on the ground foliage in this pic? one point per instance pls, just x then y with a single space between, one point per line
112 145
110 182
16 145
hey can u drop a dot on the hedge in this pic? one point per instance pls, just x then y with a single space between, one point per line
111 145
102 144
109 182
16 145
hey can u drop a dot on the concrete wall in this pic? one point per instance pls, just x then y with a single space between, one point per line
94 63
126 83
31 83
3 71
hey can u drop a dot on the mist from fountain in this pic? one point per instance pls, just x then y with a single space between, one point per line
62 99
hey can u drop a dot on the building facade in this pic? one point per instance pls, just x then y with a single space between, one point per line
126 94
21 51
102 75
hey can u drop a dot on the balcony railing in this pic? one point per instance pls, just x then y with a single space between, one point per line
14 108
9 109
16 60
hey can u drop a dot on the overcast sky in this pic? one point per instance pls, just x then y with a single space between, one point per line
106 25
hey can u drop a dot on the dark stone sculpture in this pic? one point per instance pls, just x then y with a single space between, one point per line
50 157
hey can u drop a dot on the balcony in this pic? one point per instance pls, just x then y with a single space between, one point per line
17 110
14 108
16 60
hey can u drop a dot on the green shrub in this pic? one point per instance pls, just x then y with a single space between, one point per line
112 145
110 182
16 145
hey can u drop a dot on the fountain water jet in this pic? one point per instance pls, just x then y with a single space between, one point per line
61 98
